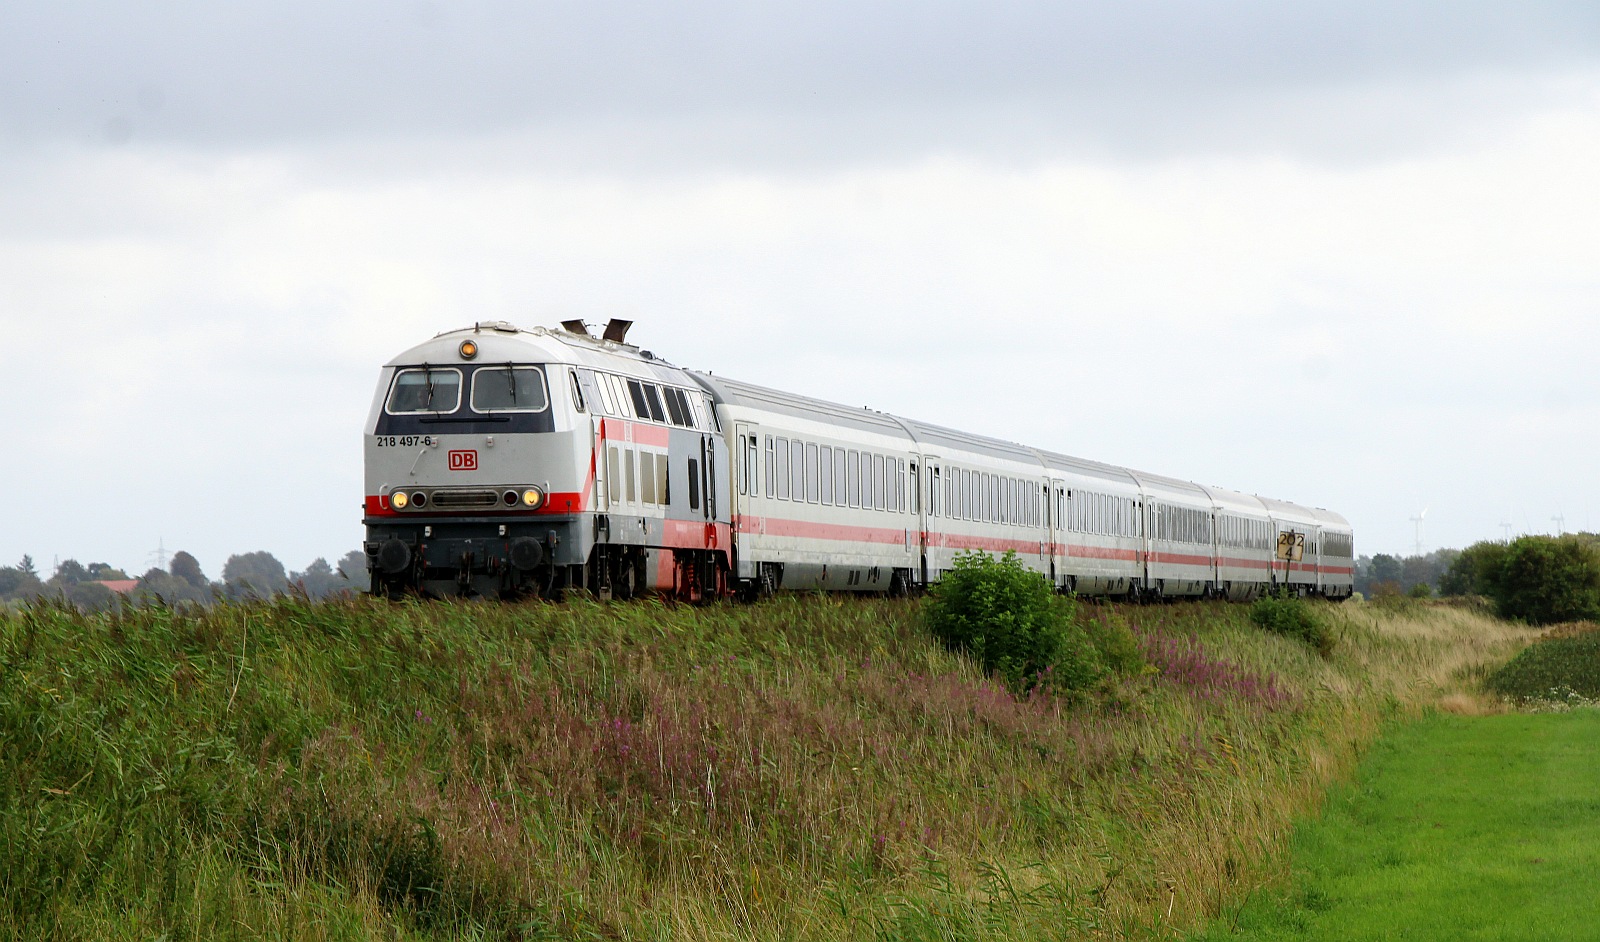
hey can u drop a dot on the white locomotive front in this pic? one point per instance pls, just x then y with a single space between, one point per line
506 462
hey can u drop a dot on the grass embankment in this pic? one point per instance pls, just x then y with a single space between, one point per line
802 769
1456 829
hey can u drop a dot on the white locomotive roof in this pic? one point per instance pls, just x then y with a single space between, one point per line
500 342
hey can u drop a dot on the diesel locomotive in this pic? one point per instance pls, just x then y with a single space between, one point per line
508 462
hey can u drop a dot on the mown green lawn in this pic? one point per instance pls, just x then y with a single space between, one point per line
1457 828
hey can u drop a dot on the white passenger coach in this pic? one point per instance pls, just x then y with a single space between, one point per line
623 473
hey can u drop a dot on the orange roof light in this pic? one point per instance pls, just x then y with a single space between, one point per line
468 349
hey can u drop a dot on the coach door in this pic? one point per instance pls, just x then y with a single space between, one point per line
747 476
604 470
930 508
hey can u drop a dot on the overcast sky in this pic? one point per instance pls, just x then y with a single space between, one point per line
1346 254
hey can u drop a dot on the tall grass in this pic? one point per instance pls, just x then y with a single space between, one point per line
806 768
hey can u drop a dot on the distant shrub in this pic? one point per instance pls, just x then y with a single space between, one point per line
1010 620
1292 616
1476 571
1544 580
1553 668
1421 591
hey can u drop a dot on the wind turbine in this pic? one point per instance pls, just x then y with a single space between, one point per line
1561 523
1418 521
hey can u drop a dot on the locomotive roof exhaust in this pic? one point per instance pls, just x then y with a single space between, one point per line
616 329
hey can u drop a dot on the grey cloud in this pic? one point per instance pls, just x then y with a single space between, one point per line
770 77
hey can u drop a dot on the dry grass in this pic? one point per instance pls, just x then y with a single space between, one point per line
811 768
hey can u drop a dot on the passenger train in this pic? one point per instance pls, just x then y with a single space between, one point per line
504 462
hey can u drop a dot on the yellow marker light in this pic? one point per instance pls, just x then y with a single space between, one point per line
398 500
532 498
469 349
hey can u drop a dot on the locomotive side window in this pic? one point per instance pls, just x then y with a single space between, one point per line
577 394
652 399
676 406
425 390
636 393
509 389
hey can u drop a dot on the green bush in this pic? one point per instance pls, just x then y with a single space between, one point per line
1544 580
1476 571
1292 616
1552 669
1010 620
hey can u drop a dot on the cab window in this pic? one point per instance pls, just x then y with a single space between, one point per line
424 390
509 389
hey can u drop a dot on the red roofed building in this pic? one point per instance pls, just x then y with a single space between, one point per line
119 586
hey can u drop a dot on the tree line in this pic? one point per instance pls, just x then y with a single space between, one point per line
244 576
1538 579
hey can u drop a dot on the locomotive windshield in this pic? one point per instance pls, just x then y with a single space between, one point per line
509 389
425 390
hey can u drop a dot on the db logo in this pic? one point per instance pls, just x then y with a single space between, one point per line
466 460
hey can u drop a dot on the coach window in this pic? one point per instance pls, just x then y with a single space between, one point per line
853 478
825 465
647 477
783 469
813 475
750 472
772 470
877 482
797 469
866 481
915 489
840 460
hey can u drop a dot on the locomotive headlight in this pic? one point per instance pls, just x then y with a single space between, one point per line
532 498
398 500
468 349
419 499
